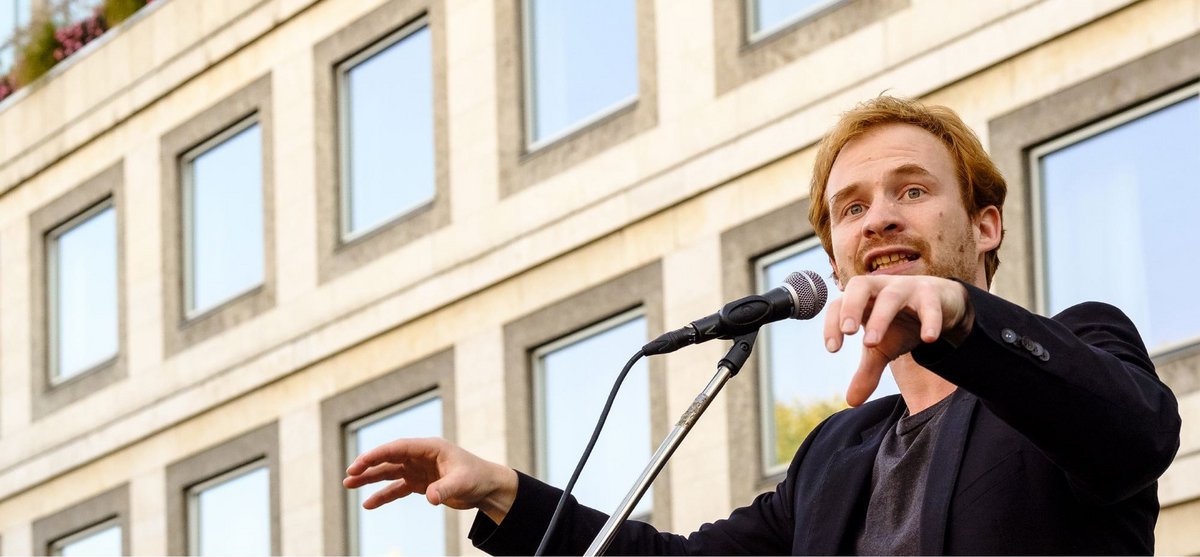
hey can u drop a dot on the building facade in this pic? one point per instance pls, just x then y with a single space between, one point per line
241 241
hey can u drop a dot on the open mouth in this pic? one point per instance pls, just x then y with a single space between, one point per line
891 259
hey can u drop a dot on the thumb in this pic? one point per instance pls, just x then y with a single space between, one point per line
438 492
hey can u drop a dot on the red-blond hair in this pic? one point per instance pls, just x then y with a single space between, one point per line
979 180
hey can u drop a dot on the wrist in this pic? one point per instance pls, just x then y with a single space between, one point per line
499 501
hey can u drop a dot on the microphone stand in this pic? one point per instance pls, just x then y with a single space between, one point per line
729 366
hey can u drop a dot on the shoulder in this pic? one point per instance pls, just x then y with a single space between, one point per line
1102 325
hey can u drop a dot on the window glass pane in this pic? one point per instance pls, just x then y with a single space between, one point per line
234 516
804 383
768 15
389 136
584 61
103 542
410 526
1116 215
84 275
226 236
576 380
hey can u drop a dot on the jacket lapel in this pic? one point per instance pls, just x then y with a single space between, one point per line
844 488
943 472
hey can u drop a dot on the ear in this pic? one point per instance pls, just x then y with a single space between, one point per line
989 229
837 280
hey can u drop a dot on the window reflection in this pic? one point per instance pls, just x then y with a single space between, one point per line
1112 221
224 220
575 377
83 277
106 540
582 63
232 516
388 147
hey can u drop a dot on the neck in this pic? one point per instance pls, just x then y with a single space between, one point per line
920 387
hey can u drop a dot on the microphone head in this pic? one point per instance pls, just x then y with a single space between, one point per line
809 293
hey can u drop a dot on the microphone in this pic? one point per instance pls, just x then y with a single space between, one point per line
801 296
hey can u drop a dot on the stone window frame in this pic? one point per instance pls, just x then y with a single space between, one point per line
385 25
741 58
434 373
83 518
105 188
1014 135
639 288
741 248
259 445
522 166
245 107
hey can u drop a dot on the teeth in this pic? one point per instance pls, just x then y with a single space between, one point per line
887 261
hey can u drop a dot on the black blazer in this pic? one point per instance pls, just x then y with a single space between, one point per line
1053 444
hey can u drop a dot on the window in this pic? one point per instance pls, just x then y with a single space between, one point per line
801 383
94 526
218 222
223 212
231 514
224 500
768 16
410 526
82 271
102 539
387 131
382 176
1110 202
573 377
76 315
582 64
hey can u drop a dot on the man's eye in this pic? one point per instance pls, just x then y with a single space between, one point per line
855 209
914 193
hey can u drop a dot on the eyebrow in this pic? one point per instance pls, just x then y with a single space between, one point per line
904 170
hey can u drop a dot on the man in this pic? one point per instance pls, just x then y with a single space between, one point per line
1013 433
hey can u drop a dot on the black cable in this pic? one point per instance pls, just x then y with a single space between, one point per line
587 452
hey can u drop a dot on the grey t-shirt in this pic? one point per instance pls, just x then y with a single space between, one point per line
893 522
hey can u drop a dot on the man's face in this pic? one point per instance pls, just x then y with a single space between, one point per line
896 208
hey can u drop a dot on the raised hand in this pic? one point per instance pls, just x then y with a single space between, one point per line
897 313
444 472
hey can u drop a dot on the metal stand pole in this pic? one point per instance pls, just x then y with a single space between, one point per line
729 366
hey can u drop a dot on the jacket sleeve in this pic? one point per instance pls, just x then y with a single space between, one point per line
1080 386
764 527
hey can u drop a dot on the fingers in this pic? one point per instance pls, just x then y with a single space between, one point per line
866 378
397 451
833 333
393 491
387 471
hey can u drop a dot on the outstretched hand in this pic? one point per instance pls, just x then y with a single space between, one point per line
444 472
898 313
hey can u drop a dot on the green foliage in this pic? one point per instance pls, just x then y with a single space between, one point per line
116 11
37 57
795 420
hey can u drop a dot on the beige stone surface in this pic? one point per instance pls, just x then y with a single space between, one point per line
1175 533
148 508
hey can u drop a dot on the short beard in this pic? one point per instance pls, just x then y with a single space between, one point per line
959 261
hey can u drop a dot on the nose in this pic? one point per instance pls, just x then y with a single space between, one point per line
883 218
